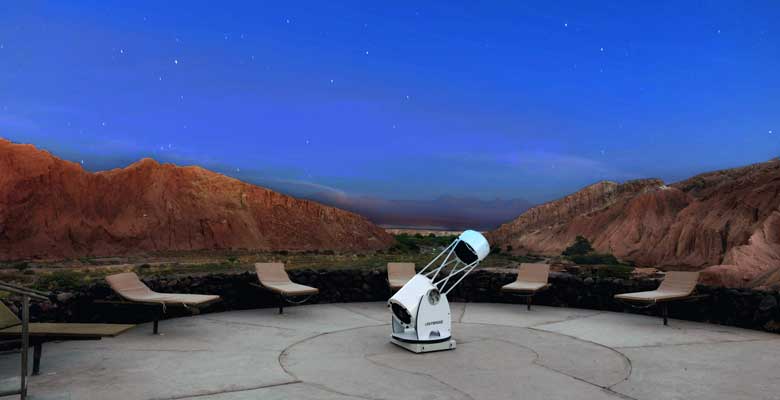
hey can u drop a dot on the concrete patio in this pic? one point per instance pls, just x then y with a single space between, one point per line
341 351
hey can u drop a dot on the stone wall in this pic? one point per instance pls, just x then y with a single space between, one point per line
737 307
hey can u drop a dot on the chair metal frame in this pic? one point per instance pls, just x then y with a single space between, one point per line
27 294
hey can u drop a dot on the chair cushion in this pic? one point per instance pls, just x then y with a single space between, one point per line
271 272
291 289
130 287
68 330
653 296
517 286
7 317
533 272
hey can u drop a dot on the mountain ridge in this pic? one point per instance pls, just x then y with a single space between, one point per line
53 208
726 222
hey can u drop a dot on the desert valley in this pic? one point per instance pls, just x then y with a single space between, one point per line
725 223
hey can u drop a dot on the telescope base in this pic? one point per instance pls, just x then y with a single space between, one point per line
424 347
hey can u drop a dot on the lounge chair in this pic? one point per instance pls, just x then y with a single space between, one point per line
677 285
41 332
398 274
129 287
273 277
531 279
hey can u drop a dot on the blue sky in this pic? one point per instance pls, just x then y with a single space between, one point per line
400 100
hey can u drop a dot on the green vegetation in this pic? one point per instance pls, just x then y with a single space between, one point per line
413 243
605 265
580 247
614 271
67 275
61 280
595 259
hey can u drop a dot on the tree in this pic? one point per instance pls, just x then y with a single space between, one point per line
581 246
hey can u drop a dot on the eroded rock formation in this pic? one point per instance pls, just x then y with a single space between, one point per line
727 220
51 208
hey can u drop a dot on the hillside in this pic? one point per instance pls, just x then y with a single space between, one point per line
726 221
51 208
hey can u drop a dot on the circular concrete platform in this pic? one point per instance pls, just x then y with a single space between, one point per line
342 351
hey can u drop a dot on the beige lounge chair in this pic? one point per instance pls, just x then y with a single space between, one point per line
129 287
531 279
41 332
398 273
273 277
677 285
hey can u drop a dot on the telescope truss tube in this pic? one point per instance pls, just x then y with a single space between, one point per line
421 318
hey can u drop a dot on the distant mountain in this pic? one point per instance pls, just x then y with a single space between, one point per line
445 212
51 208
728 221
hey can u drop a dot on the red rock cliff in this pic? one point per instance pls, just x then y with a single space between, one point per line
729 219
51 208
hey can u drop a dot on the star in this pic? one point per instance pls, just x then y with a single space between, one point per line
407 97
366 52
307 141
82 162
602 49
121 51
565 25
176 62
287 20
103 123
159 78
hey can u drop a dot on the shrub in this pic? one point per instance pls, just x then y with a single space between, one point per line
21 266
595 258
614 271
581 246
60 280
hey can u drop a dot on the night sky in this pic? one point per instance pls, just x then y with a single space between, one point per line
405 100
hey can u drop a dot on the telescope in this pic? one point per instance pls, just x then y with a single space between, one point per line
421 319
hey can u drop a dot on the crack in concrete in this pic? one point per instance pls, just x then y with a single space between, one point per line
630 366
334 391
651 346
283 354
248 389
366 357
359 313
462 313
537 361
241 323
